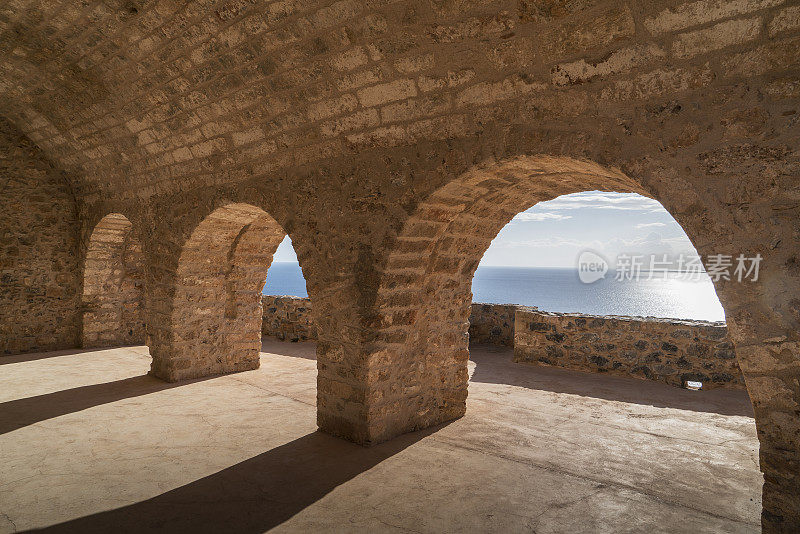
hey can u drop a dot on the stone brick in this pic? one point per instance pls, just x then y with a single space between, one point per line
360 120
769 57
657 83
387 92
441 127
490 92
415 108
724 34
243 138
572 35
359 79
350 59
620 61
335 106
473 28
702 12
542 12
380 137
410 65
786 19
452 79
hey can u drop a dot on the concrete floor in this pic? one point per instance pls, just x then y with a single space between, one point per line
88 443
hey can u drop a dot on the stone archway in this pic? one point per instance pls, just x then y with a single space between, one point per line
424 298
112 303
214 323
420 351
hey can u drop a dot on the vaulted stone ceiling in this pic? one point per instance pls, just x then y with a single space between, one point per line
379 135
137 97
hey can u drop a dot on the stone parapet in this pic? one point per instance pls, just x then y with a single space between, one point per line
492 323
665 350
287 318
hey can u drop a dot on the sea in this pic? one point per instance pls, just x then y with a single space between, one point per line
672 294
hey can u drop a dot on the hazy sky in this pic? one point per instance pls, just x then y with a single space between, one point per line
554 233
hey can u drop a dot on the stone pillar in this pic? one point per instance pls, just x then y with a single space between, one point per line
762 319
771 371
390 362
413 346
205 294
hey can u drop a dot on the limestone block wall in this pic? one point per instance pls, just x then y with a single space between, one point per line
287 318
665 350
39 238
113 308
492 323
393 141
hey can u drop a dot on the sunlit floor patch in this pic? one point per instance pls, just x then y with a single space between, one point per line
544 449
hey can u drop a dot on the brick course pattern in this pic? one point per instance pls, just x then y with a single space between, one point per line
665 350
39 250
287 318
492 323
113 292
392 140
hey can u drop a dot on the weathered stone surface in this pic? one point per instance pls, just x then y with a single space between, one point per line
213 296
787 19
158 112
492 323
290 319
113 286
686 15
669 351
665 350
724 34
39 250
287 318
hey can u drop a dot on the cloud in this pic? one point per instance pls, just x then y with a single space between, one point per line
650 225
549 242
540 216
654 244
601 200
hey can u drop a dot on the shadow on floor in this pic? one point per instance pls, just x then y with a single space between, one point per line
252 496
495 365
33 356
20 413
295 349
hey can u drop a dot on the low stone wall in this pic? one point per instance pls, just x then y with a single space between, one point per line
492 323
665 350
287 318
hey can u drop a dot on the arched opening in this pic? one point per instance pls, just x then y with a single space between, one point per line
425 298
585 282
113 293
650 267
216 315
287 308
